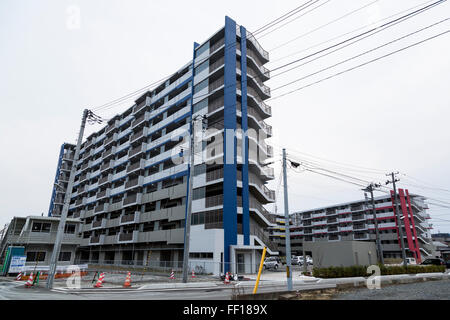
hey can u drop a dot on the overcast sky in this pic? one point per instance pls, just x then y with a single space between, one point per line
59 57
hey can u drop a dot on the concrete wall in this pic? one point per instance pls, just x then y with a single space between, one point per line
342 253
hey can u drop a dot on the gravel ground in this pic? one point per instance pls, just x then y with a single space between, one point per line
429 290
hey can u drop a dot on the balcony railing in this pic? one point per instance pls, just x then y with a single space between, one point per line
216 45
216 84
214 201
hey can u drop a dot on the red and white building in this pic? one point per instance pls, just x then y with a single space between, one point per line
354 221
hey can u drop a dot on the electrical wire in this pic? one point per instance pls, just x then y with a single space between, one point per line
349 32
296 18
282 18
360 65
353 57
324 25
391 22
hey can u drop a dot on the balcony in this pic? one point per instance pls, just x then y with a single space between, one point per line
132 200
346 219
144 117
107 165
97 240
130 218
214 201
103 194
263 53
217 45
101 208
133 183
364 236
127 237
139 134
359 227
98 224
137 150
104 180
319 223
110 139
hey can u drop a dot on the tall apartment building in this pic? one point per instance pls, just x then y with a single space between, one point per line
65 161
132 176
354 221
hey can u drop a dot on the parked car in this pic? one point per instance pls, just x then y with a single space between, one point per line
447 264
433 261
271 263
296 260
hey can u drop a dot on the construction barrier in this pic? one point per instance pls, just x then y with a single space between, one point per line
30 281
127 282
100 280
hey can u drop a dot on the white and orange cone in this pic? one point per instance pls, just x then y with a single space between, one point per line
127 282
227 278
100 280
193 274
29 282
172 275
19 277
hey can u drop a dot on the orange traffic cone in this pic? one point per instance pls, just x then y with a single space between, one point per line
100 280
227 278
29 283
19 277
172 275
193 274
127 282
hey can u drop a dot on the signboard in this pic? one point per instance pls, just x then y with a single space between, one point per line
17 264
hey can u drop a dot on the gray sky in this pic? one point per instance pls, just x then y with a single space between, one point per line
389 115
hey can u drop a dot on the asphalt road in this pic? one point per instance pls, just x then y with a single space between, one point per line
429 290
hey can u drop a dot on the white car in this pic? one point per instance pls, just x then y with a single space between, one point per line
271 263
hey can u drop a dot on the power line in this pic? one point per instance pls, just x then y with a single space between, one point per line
349 32
284 16
332 161
360 65
353 57
394 21
324 25
296 18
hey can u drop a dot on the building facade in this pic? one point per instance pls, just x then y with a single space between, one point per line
37 234
132 176
354 221
65 161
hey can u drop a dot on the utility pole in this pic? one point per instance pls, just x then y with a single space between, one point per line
187 232
397 211
286 222
68 195
370 189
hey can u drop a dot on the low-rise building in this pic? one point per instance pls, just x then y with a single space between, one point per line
354 221
37 235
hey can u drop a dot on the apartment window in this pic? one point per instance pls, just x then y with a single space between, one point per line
36 256
201 67
198 193
202 49
41 227
69 228
201 105
200 86
201 255
65 256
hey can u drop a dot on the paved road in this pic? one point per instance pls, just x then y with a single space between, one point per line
10 290
430 290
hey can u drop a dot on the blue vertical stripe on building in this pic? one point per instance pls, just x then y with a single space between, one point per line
230 169
58 168
244 123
